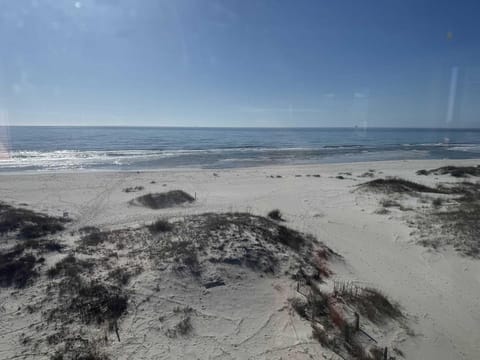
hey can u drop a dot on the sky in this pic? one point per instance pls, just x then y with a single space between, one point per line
336 63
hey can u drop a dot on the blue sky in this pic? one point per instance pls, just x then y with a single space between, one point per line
240 63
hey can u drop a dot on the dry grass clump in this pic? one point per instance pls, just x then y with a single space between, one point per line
183 253
92 300
461 224
160 226
70 266
387 203
73 349
94 238
382 211
333 321
16 269
300 306
96 302
163 200
133 189
369 173
88 229
41 245
374 305
120 276
455 171
397 185
437 202
182 328
276 215
455 223
289 237
182 310
27 223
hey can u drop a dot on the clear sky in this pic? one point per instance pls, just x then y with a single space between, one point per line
240 63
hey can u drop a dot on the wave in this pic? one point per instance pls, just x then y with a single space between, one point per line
466 148
215 157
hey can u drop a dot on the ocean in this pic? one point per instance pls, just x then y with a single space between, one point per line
140 148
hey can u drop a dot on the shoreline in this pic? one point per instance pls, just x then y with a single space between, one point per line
327 166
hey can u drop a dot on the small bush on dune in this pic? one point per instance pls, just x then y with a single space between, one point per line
183 253
437 202
300 306
290 238
69 266
41 245
182 309
98 303
16 270
94 238
374 305
120 276
183 327
276 215
88 229
83 350
133 189
160 226
386 203
29 224
32 231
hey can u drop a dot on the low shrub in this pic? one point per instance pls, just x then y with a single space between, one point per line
16 270
69 266
374 305
98 303
160 226
29 224
275 215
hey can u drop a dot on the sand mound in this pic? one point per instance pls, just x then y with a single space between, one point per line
184 285
163 200
456 171
246 240
397 185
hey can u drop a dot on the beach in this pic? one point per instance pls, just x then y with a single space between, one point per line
438 290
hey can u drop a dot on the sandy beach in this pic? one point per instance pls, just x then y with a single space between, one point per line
249 317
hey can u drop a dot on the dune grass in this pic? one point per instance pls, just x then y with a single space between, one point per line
455 171
276 215
398 185
27 223
17 269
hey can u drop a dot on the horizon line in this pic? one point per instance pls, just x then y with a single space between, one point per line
250 127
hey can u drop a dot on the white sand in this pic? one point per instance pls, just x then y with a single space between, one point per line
438 290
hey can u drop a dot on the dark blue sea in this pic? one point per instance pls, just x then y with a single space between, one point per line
138 148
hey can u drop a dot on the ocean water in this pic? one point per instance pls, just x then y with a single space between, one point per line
137 148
